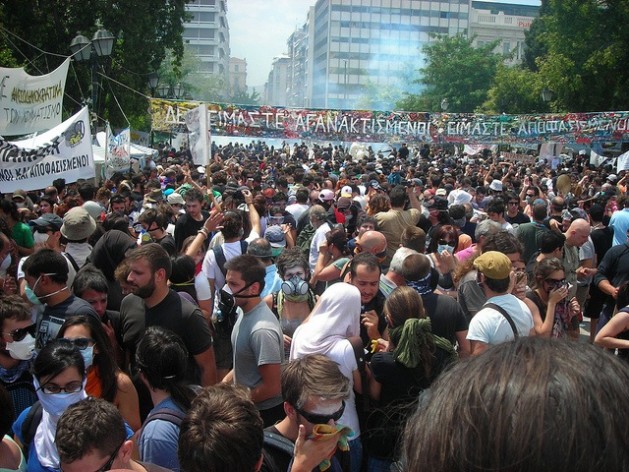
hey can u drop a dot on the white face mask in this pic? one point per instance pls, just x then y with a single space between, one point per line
40 238
22 350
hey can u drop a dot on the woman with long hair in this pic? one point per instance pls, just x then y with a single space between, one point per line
556 316
162 360
59 379
413 358
333 256
615 334
104 378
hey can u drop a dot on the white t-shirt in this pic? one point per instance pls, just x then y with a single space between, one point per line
317 239
491 327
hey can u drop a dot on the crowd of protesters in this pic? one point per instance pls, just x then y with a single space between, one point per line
315 307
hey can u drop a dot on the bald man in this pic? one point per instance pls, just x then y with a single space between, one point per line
576 236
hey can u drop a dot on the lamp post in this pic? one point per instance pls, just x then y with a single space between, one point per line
444 105
153 81
84 50
547 95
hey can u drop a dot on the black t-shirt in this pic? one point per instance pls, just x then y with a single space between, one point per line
446 316
173 313
518 219
399 393
50 321
188 226
168 243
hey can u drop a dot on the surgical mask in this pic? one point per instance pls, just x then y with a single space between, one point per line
22 350
445 247
30 295
56 403
88 356
40 238
294 286
20 204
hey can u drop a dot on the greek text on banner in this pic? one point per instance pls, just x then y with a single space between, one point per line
63 152
29 104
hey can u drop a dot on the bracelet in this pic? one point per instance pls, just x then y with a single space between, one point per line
204 232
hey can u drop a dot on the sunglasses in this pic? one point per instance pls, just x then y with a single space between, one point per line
445 242
322 419
514 203
79 343
20 333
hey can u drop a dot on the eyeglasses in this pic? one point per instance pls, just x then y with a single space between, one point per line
530 195
322 419
54 389
556 281
20 333
514 203
80 343
43 229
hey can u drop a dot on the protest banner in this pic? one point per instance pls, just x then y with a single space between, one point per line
516 158
30 104
198 139
62 152
267 122
117 152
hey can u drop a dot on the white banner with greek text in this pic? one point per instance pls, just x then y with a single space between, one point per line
31 103
118 152
63 152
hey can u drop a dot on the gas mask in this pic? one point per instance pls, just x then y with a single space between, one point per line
294 286
226 310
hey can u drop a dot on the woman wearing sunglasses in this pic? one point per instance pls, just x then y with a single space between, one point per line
104 377
556 316
17 345
413 359
59 379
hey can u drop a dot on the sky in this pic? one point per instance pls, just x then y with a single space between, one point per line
258 30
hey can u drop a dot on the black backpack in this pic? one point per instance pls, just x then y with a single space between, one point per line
219 255
29 427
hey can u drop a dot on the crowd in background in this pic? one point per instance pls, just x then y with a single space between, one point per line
313 296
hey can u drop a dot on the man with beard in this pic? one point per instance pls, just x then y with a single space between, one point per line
153 303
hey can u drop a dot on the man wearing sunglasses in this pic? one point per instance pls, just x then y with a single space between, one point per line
91 436
314 391
17 343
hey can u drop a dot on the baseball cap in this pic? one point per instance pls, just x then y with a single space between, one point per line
19 194
494 265
94 209
375 184
610 177
347 191
441 192
77 224
175 199
326 195
47 220
275 236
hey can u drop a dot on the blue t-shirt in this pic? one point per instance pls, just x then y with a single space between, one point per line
159 439
32 461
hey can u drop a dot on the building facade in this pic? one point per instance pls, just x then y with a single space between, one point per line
502 22
237 76
365 44
207 35
275 90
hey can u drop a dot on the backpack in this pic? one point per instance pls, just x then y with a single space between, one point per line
219 255
166 414
29 427
304 239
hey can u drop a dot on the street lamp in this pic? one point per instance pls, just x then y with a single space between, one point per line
153 81
83 50
345 85
444 104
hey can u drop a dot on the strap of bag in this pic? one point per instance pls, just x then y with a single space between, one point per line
504 313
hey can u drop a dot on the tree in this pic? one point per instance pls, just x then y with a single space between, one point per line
242 97
455 70
515 90
581 53
144 30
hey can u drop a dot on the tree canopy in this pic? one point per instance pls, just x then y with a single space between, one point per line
456 70
144 30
